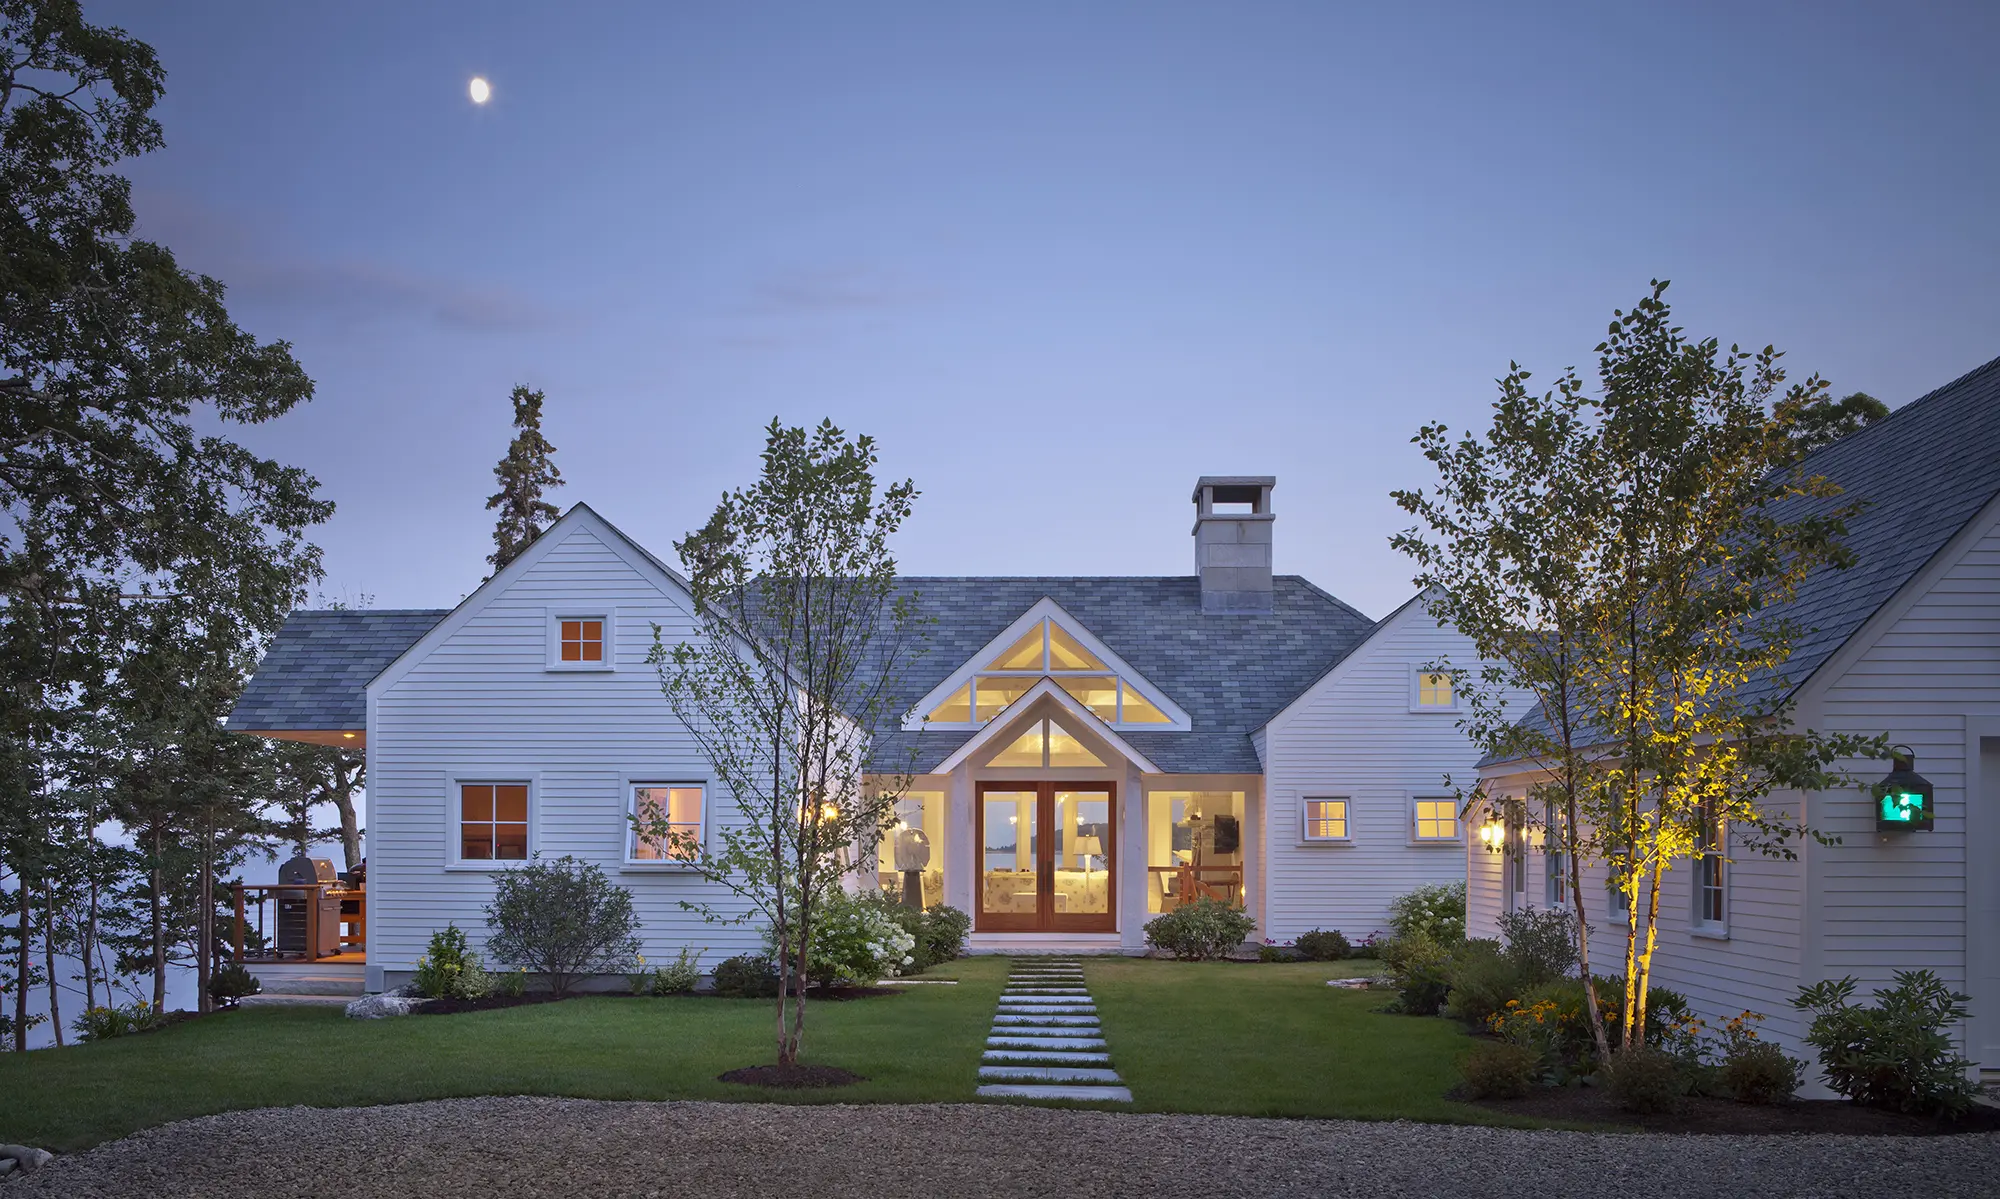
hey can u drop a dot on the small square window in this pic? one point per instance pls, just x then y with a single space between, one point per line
493 822
1325 819
677 806
1434 690
583 641
1437 819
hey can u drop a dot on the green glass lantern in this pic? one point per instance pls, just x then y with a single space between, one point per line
1903 799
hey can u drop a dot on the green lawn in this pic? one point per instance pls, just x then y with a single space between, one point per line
1243 1039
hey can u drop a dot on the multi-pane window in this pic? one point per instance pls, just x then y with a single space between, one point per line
1710 877
580 640
1047 650
493 822
1437 819
1434 689
1325 819
1514 858
1557 861
668 826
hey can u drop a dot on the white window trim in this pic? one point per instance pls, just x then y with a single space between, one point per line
1305 819
454 779
1417 673
1457 819
554 640
1177 720
655 779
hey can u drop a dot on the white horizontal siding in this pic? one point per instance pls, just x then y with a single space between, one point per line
483 701
1353 735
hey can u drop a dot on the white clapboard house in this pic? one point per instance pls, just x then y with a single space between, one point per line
1905 643
1091 752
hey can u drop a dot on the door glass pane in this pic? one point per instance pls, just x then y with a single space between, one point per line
1007 859
1099 693
1025 654
1194 847
1067 653
1083 845
995 694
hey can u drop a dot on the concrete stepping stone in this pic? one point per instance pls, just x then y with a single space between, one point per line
1007 1090
1089 1022
1049 1074
1059 1043
1056 1056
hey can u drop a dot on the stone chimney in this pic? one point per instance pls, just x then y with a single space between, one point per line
1232 541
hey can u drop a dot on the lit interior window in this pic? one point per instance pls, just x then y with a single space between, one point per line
1046 743
493 822
680 806
1437 820
1326 819
1434 690
1047 651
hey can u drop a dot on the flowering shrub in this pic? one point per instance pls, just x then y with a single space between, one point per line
103 1023
1435 912
855 941
1198 931
1755 1071
1541 942
449 969
1536 1026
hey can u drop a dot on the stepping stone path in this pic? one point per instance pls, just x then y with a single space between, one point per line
1046 1042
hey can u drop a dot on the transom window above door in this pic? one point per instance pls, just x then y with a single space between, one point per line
1007 669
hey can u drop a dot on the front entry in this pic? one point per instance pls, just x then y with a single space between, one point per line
1047 857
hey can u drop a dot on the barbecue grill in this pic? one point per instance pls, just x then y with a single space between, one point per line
297 907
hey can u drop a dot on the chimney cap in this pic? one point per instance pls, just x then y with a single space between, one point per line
1231 483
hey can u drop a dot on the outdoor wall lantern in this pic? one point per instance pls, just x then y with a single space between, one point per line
1903 798
1493 833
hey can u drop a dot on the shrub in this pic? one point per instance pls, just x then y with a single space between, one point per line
511 984
1369 946
1646 1080
1896 1054
746 976
1322 946
1481 980
1755 1071
563 920
939 931
1198 931
1436 912
1541 942
231 983
1500 1070
856 939
449 969
118 1020
1277 953
1417 967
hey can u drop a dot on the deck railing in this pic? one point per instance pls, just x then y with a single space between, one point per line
351 928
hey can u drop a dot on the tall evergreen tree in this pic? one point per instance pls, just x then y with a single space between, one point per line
528 470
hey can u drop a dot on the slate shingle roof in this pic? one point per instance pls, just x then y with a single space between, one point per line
315 674
1923 472
1230 674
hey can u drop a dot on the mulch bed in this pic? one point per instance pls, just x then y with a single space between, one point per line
796 1077
1591 1105
487 1003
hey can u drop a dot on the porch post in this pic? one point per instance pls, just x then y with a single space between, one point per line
961 856
1133 877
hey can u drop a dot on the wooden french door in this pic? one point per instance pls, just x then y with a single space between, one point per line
1048 857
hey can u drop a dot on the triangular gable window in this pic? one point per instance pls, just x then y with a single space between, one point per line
1046 743
1045 649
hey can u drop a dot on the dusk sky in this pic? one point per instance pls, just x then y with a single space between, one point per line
1059 259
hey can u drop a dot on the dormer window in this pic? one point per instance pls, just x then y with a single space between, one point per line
1046 650
581 640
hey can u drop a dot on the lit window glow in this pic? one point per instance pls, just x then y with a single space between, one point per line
1325 819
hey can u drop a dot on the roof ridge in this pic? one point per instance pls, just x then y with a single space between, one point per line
1896 415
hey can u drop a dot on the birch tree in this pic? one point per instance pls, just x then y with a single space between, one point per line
1624 557
802 638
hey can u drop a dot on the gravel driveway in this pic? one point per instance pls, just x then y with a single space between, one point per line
572 1148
